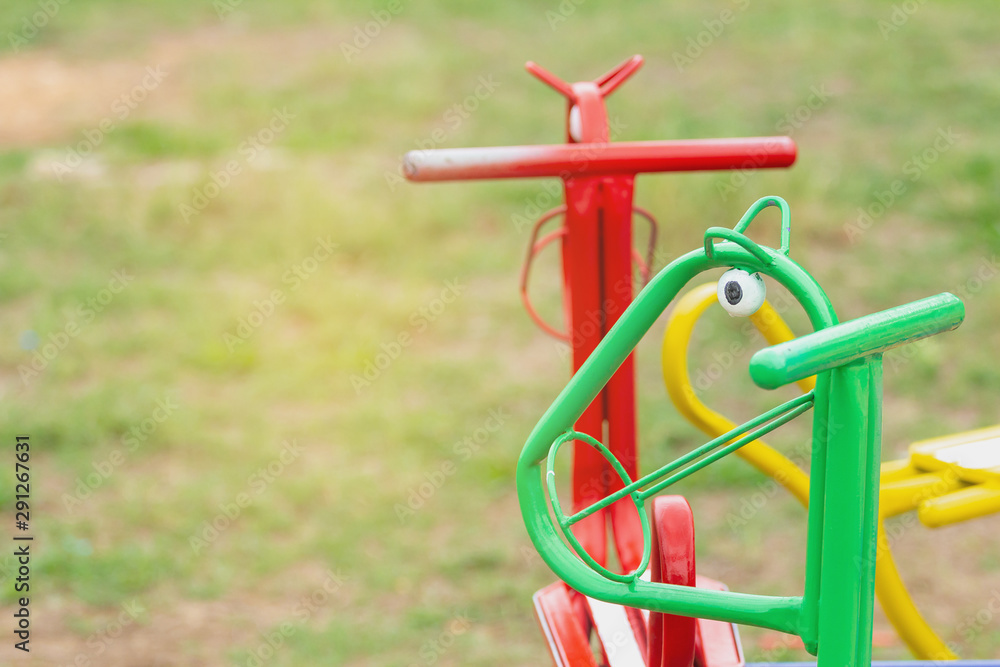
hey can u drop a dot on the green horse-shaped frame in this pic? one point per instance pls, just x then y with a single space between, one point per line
834 615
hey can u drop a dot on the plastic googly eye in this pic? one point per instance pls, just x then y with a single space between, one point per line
741 293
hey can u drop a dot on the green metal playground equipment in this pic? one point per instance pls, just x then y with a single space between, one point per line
833 616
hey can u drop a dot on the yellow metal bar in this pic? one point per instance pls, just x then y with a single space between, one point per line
969 503
893 471
905 495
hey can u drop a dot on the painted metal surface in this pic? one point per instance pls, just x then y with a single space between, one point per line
966 464
717 644
672 638
622 636
864 337
569 646
623 632
597 158
843 508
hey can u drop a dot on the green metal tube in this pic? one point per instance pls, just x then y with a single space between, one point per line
776 613
838 345
869 524
771 415
845 578
814 530
729 449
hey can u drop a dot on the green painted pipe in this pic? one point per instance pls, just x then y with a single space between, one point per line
842 344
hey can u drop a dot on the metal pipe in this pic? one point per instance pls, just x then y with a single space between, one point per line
624 157
841 344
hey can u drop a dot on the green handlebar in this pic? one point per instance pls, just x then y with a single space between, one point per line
841 344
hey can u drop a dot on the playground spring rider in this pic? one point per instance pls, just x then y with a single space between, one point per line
833 617
596 239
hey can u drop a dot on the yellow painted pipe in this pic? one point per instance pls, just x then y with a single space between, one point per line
909 493
968 503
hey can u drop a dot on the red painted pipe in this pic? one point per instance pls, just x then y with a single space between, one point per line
625 157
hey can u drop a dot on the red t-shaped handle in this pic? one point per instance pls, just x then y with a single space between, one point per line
623 157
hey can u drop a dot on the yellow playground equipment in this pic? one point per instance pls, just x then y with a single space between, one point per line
946 480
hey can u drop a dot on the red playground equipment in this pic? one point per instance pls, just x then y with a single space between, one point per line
597 257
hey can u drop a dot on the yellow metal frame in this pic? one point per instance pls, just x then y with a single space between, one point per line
903 486
971 457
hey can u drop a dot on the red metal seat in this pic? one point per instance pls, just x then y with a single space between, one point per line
635 638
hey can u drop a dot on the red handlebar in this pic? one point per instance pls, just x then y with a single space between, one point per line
565 160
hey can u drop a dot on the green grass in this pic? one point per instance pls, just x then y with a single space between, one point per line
335 508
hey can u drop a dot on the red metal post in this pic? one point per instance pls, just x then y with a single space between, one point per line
582 247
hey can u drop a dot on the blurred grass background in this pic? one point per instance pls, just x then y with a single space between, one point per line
236 311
